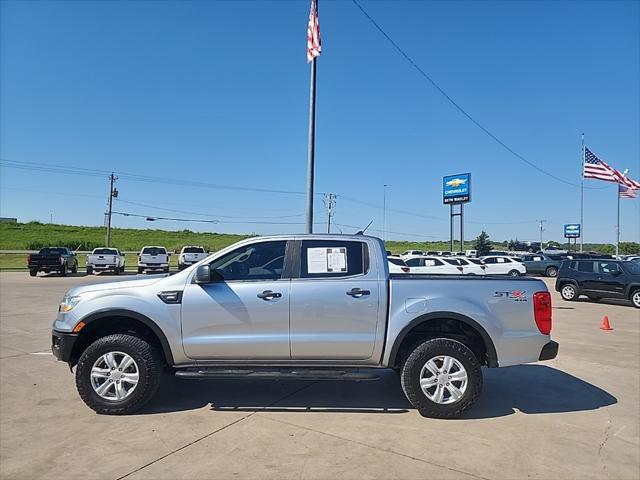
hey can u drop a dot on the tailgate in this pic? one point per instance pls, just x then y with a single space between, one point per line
45 260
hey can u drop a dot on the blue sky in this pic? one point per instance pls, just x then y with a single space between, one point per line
217 92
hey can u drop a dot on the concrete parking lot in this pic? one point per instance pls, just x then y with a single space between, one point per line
575 417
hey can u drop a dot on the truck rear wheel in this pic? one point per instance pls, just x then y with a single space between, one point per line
63 271
118 374
551 272
442 378
89 270
74 269
33 272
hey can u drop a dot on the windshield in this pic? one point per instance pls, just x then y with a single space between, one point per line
52 251
193 250
154 251
396 261
632 267
105 251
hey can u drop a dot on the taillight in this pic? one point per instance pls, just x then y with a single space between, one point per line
405 269
542 311
61 260
29 259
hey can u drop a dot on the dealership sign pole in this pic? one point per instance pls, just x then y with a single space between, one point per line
572 230
456 190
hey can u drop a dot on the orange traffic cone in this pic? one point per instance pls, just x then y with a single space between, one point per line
605 324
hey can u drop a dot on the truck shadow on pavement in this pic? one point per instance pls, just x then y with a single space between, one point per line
530 389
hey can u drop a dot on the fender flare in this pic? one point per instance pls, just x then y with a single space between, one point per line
121 312
492 356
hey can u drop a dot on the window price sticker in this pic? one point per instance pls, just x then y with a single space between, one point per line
327 260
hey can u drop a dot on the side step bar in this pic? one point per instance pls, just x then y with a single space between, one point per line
354 374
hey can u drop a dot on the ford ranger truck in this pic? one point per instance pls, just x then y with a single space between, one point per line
301 306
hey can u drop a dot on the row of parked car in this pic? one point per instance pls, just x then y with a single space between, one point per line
151 258
414 261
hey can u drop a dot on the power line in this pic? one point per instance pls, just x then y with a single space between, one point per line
63 169
138 204
456 104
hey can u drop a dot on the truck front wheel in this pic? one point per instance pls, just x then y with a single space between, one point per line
118 374
442 378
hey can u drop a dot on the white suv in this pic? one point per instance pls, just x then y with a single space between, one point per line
502 265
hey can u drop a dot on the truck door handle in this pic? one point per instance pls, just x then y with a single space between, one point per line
356 292
268 295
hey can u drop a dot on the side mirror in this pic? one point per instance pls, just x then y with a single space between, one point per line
202 275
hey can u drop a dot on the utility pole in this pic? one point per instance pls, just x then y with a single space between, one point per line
329 202
541 226
113 193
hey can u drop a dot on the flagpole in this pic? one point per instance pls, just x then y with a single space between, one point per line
618 224
311 147
582 199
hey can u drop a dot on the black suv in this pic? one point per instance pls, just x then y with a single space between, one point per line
599 279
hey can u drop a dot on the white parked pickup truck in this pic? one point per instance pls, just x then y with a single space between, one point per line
153 258
190 255
105 260
320 307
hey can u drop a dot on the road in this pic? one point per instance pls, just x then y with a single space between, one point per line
571 418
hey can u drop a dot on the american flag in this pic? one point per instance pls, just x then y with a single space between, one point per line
626 192
313 33
629 182
596 168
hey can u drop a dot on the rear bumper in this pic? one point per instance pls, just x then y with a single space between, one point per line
549 351
62 344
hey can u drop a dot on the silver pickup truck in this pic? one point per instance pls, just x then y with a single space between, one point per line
301 306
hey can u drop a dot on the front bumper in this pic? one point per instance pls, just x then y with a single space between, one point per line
62 344
549 351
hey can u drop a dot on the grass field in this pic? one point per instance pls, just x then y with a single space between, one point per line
35 235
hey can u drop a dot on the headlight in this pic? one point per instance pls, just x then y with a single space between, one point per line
68 303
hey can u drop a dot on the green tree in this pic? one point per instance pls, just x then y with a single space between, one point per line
629 248
483 244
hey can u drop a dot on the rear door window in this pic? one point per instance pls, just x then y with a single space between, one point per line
585 267
333 259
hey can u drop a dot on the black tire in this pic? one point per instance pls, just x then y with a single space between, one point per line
551 272
89 270
116 270
122 269
411 372
140 270
569 292
33 272
149 363
75 268
635 297
166 270
63 271
514 273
